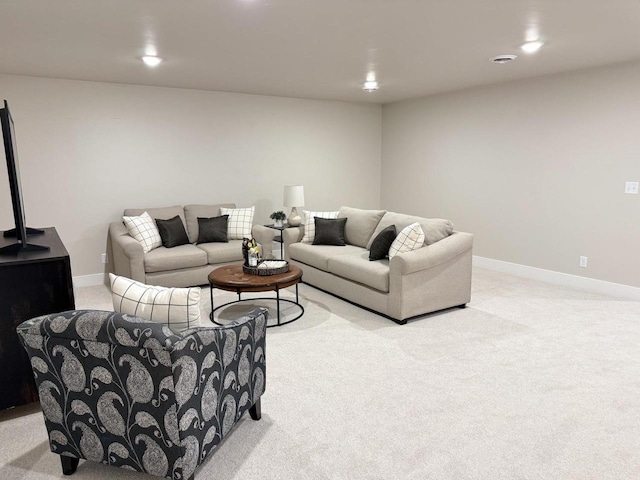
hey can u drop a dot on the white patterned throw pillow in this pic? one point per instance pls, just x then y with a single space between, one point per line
410 238
177 308
310 223
240 222
144 230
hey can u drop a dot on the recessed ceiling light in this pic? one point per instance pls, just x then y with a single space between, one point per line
503 59
152 60
370 86
531 47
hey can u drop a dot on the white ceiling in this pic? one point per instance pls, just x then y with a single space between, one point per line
313 48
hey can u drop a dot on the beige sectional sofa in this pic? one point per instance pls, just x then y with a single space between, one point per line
431 278
181 266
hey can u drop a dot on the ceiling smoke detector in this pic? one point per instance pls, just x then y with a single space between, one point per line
504 59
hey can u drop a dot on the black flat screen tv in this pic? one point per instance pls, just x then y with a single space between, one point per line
11 153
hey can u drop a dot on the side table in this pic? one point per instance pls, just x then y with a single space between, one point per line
278 238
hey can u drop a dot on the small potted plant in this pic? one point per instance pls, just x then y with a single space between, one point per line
278 218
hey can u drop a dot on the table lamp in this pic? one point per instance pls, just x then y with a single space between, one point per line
294 197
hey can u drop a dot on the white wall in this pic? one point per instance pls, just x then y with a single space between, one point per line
89 150
535 169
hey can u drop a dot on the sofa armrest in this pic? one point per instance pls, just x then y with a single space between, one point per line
219 373
289 236
128 256
264 236
431 255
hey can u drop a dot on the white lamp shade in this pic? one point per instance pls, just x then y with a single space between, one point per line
293 196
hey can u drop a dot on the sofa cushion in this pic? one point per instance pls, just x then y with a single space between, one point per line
240 222
163 213
381 243
213 229
318 255
184 256
435 229
310 223
192 212
329 231
410 238
177 308
222 252
144 229
361 224
172 232
355 266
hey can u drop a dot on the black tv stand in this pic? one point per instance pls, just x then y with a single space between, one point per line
31 284
30 231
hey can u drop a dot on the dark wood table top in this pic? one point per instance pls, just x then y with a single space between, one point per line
233 278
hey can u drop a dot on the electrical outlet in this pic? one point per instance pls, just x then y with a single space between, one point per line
631 188
583 262
104 258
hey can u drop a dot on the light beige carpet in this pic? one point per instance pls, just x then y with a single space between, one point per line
531 381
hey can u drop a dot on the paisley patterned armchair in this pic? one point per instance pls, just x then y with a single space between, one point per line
127 392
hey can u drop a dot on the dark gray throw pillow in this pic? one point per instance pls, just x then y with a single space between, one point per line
381 244
329 231
172 232
213 229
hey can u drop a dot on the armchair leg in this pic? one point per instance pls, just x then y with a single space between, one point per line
69 464
256 411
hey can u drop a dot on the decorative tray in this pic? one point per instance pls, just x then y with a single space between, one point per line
267 267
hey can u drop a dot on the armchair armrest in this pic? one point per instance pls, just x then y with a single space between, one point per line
128 256
289 236
431 255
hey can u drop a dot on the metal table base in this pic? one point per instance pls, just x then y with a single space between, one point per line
277 299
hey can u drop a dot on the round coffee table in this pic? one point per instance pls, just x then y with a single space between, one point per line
233 279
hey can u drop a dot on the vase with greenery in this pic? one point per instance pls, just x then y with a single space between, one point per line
278 218
250 252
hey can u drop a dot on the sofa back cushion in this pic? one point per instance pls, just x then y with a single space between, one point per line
192 212
435 229
163 213
360 225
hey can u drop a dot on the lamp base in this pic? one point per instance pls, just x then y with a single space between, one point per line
294 219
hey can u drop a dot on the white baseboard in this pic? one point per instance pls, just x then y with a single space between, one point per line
558 278
549 276
90 280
